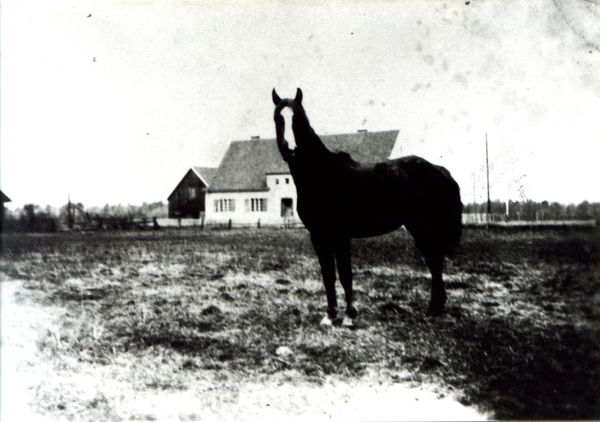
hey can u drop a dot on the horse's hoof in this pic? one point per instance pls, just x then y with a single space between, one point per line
326 322
435 310
347 322
436 304
351 312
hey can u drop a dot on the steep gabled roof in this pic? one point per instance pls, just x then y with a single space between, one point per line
246 163
4 198
205 174
364 147
244 166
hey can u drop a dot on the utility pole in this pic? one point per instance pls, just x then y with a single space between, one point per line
69 215
474 191
487 168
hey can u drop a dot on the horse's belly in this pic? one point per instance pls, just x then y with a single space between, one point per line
352 219
374 225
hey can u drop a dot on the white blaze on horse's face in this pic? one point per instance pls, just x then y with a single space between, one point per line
287 114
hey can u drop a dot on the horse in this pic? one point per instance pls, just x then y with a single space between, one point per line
340 199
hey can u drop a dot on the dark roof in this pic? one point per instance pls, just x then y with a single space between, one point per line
205 174
4 198
247 162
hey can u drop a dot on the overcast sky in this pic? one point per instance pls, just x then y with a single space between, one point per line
112 102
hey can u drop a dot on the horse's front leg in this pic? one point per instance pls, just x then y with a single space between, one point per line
324 249
344 265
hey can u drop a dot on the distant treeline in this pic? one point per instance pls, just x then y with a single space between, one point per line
539 211
35 219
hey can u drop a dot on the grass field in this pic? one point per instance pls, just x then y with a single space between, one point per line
520 338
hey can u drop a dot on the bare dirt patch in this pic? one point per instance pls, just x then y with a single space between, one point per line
23 369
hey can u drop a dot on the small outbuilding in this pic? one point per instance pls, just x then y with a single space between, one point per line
3 199
188 200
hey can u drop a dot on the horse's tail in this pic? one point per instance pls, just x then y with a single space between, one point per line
452 215
454 223
434 209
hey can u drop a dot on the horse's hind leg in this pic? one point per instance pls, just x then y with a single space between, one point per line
435 262
344 265
434 258
324 249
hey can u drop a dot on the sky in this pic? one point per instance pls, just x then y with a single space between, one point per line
112 102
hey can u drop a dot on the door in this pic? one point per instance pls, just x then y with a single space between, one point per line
287 207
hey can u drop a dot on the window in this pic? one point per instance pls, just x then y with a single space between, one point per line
287 180
276 181
256 205
224 205
192 193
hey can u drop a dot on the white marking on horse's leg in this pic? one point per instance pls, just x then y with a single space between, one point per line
326 321
348 322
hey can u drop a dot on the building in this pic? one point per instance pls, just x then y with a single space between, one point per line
253 185
189 197
3 199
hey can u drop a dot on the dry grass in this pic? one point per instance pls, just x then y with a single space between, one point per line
520 337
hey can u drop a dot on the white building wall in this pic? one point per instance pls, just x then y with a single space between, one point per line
241 213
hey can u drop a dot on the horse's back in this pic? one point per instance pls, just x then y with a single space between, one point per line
369 199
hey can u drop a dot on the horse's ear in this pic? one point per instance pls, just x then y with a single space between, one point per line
276 98
298 98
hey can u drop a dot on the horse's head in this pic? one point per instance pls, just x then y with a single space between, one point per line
304 136
295 105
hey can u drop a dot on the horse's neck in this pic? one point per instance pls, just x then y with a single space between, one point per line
310 165
307 139
311 158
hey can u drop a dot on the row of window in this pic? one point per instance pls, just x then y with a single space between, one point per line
250 205
192 194
224 205
256 204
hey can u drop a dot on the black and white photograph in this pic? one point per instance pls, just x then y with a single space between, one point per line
326 210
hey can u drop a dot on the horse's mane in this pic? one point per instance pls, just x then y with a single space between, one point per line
345 158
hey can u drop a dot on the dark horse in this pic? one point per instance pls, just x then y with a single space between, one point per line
340 199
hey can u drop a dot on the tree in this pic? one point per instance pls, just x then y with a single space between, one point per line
584 211
557 211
